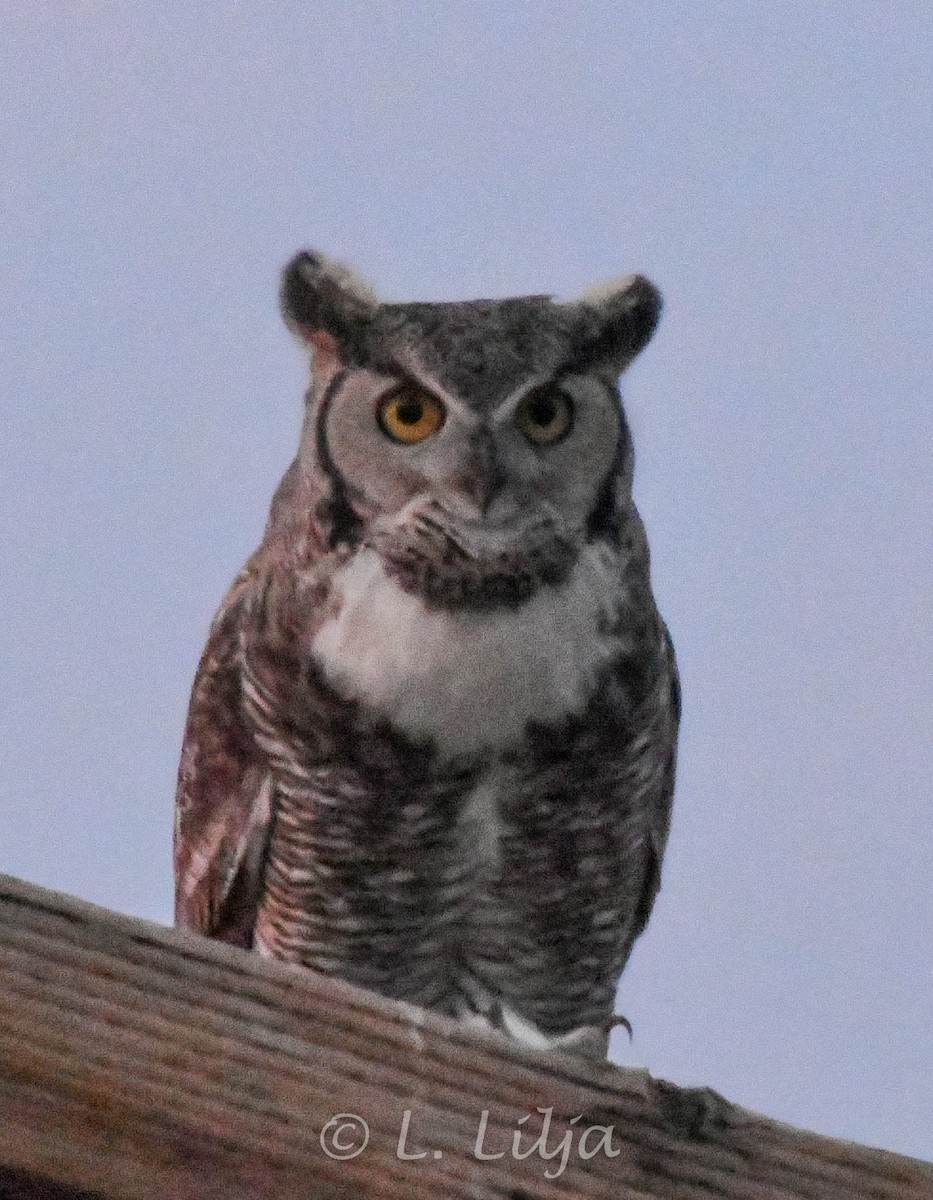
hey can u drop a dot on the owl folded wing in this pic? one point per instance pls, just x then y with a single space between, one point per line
652 758
224 798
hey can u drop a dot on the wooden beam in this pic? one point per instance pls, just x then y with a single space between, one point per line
138 1062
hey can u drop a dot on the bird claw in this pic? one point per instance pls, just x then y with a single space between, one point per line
618 1020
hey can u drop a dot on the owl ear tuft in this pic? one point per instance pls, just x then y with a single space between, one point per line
621 316
325 304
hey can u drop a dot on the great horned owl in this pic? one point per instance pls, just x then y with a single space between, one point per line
431 740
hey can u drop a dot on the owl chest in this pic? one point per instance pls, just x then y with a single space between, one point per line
466 682
380 884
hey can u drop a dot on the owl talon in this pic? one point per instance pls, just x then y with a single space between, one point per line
618 1020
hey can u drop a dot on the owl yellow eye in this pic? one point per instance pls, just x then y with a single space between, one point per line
410 416
545 415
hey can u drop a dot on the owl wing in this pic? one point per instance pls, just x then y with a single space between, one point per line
650 757
223 805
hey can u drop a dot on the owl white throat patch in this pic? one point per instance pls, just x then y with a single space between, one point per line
470 681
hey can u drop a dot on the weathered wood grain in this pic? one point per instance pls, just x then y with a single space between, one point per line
138 1062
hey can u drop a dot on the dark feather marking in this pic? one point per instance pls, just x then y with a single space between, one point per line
335 509
603 521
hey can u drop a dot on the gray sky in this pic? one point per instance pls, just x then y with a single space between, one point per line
769 167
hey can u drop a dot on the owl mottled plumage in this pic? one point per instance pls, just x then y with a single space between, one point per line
431 740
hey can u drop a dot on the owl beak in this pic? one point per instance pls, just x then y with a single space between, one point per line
481 482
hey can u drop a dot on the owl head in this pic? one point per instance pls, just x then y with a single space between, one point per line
475 446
